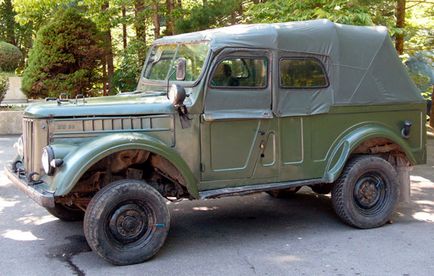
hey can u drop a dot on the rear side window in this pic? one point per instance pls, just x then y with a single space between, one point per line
299 73
241 72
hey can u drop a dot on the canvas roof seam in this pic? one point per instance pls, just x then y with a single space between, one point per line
335 69
367 69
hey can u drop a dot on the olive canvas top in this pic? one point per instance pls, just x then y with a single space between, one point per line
361 63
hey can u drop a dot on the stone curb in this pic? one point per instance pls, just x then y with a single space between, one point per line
10 122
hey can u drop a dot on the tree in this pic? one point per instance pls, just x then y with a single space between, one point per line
209 14
7 22
339 11
140 26
170 5
156 19
65 57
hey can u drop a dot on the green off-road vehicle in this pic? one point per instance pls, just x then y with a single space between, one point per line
230 111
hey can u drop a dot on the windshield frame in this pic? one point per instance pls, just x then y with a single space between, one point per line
152 82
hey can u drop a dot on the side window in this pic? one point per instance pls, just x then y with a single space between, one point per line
245 72
299 73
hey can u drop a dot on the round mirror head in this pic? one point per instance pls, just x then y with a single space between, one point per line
177 95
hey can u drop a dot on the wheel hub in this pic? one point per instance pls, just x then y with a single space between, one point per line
128 223
367 191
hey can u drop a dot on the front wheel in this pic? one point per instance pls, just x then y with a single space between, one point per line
366 193
127 222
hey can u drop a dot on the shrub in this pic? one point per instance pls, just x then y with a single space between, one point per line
4 83
10 57
64 58
127 75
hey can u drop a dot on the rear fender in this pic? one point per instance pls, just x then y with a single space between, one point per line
343 148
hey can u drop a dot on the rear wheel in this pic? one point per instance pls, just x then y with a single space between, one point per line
66 213
283 193
366 193
126 222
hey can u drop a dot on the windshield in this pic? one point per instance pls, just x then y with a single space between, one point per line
162 60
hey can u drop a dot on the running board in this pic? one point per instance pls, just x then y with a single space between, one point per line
257 188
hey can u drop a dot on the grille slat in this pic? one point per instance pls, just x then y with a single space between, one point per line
28 142
35 138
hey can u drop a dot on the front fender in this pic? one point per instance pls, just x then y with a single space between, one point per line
78 162
342 150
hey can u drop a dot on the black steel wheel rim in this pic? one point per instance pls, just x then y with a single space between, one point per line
370 193
130 224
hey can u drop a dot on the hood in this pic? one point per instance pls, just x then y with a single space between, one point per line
122 104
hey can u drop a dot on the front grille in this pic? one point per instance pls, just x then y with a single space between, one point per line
27 143
35 138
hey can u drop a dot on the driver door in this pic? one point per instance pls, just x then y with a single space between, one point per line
237 130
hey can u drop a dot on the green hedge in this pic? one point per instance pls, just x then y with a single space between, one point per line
4 83
10 57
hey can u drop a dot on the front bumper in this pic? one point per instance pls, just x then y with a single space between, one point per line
34 191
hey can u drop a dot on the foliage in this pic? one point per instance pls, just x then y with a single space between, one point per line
132 25
38 12
340 11
126 76
215 13
421 70
10 57
7 21
65 57
4 83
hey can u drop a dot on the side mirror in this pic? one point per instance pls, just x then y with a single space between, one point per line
177 95
180 69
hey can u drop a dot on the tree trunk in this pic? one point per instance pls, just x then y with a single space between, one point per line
431 115
124 27
140 24
169 17
233 18
108 52
104 78
400 23
240 9
156 20
10 21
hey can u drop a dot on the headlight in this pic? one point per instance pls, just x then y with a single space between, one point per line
47 157
19 146
177 95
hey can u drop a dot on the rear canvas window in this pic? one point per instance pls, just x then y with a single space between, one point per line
298 73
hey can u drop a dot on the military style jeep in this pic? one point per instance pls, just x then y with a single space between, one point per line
230 111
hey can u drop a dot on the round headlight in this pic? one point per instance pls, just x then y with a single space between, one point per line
47 157
19 146
176 95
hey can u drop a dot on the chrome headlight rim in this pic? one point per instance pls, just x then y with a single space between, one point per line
176 95
19 146
46 158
